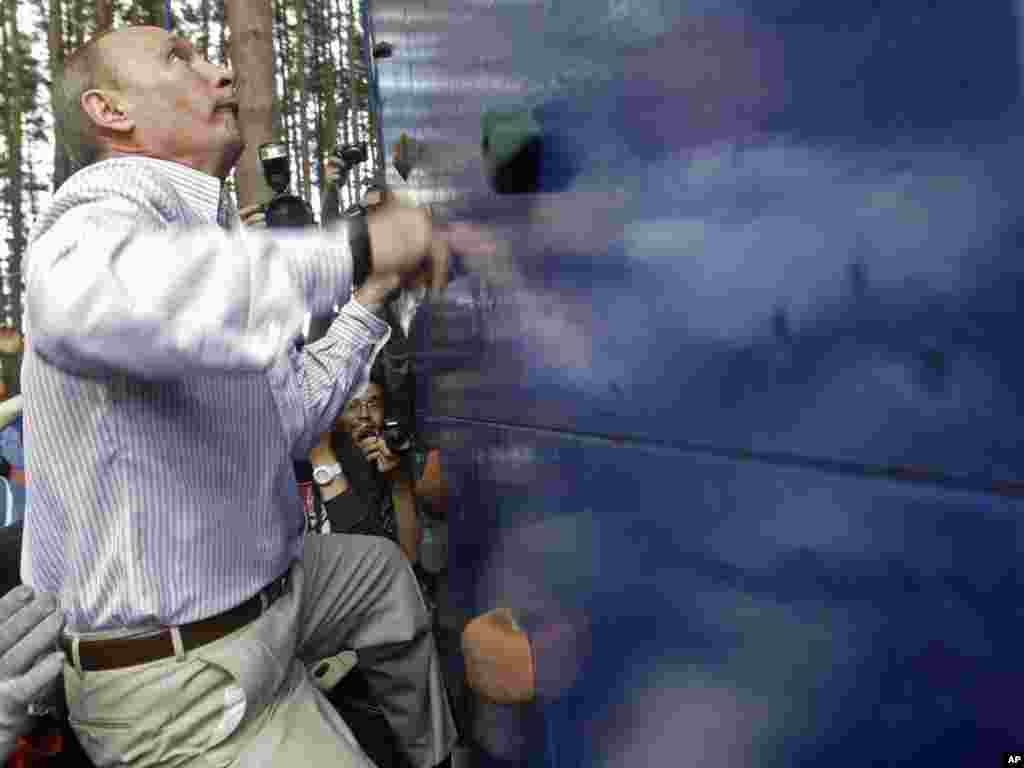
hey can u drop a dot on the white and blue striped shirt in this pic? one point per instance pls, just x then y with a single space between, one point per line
165 397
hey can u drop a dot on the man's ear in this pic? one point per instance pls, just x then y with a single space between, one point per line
106 112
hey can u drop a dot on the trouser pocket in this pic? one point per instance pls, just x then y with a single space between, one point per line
166 712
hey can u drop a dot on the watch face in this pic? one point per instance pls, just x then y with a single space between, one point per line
325 474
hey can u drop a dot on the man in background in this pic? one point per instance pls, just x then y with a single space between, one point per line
364 486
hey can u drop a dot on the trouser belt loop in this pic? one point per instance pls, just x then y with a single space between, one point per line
179 646
76 656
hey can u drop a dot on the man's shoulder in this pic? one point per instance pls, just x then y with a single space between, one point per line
124 180
123 176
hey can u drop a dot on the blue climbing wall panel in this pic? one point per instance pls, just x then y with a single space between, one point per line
734 409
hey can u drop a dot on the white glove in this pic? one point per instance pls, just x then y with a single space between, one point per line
30 627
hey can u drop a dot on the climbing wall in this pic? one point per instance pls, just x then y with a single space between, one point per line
732 413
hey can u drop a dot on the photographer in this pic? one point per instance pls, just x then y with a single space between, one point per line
363 475
336 170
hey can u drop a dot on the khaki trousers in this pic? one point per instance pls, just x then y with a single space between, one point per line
247 700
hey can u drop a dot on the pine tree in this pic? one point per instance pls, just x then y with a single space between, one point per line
204 39
146 12
104 15
323 76
285 106
69 24
300 70
252 53
15 89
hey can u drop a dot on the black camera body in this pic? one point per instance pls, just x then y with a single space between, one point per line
284 210
351 155
396 436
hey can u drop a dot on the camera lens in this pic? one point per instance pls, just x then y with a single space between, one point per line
351 155
274 158
395 436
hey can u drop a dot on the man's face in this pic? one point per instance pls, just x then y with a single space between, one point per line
363 415
183 108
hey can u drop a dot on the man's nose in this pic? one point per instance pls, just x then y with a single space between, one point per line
222 77
225 79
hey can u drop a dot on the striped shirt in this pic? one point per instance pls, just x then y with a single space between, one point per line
166 397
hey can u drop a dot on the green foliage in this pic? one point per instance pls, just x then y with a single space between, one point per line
148 12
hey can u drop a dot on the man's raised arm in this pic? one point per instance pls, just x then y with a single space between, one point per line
337 366
112 288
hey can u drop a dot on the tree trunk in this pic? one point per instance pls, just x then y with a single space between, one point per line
204 41
15 90
344 93
77 24
292 113
321 91
153 12
104 15
329 89
285 130
300 64
222 18
55 39
252 56
354 112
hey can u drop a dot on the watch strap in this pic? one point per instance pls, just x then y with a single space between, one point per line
359 243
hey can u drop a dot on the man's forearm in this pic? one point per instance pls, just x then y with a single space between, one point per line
404 499
338 366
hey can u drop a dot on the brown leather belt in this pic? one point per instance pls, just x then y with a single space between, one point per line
115 653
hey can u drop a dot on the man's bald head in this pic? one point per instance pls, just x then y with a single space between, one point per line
90 67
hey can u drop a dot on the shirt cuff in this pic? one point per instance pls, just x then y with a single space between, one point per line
375 327
356 319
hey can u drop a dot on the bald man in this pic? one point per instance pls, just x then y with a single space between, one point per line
167 398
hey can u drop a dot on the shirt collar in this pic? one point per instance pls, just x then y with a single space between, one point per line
200 191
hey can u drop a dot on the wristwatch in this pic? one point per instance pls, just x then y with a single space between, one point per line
359 247
326 474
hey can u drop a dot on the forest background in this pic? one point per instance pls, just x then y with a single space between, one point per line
307 81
